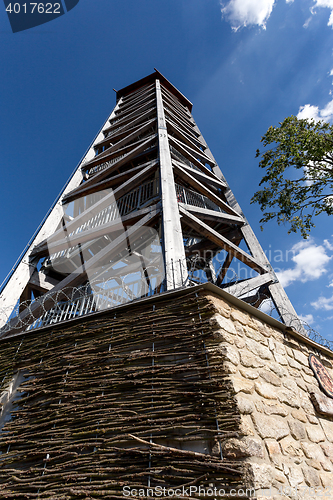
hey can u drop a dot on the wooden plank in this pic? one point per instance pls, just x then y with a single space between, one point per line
123 128
248 285
200 176
184 132
182 149
218 239
174 252
212 214
195 151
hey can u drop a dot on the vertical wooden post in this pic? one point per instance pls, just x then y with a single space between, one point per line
172 236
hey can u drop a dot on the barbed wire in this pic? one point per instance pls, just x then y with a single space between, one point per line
97 295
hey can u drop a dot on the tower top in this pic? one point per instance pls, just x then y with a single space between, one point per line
151 79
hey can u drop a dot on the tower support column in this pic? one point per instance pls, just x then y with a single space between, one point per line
172 237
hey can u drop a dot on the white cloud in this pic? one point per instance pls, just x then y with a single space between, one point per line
328 245
323 303
241 13
310 263
310 111
307 318
324 3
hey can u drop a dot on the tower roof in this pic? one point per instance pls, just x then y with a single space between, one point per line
150 79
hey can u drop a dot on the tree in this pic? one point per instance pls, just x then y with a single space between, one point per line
299 173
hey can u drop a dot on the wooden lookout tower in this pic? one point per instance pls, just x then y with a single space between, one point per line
148 210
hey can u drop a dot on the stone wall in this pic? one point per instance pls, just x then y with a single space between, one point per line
286 445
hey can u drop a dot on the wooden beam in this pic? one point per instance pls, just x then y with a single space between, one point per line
212 214
121 130
116 148
42 282
126 187
174 252
218 239
186 176
200 176
242 287
195 151
84 236
89 185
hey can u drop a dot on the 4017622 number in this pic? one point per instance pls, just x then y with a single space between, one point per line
33 8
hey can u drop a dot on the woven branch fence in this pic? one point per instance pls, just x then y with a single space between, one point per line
136 398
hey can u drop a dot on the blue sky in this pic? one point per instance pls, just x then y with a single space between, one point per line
245 65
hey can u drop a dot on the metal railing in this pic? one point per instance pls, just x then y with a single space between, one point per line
106 164
182 158
189 197
92 298
123 206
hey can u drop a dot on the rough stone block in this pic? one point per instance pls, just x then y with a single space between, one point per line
327 425
241 384
279 370
273 408
239 342
218 321
240 316
273 447
297 430
299 415
289 397
327 465
315 433
295 476
245 405
250 374
326 479
230 353
255 335
258 349
290 447
243 448
314 464
313 451
290 384
250 361
246 426
280 358
266 390
328 449
230 367
279 476
294 364
311 477
270 378
270 427
263 475
301 358
301 384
